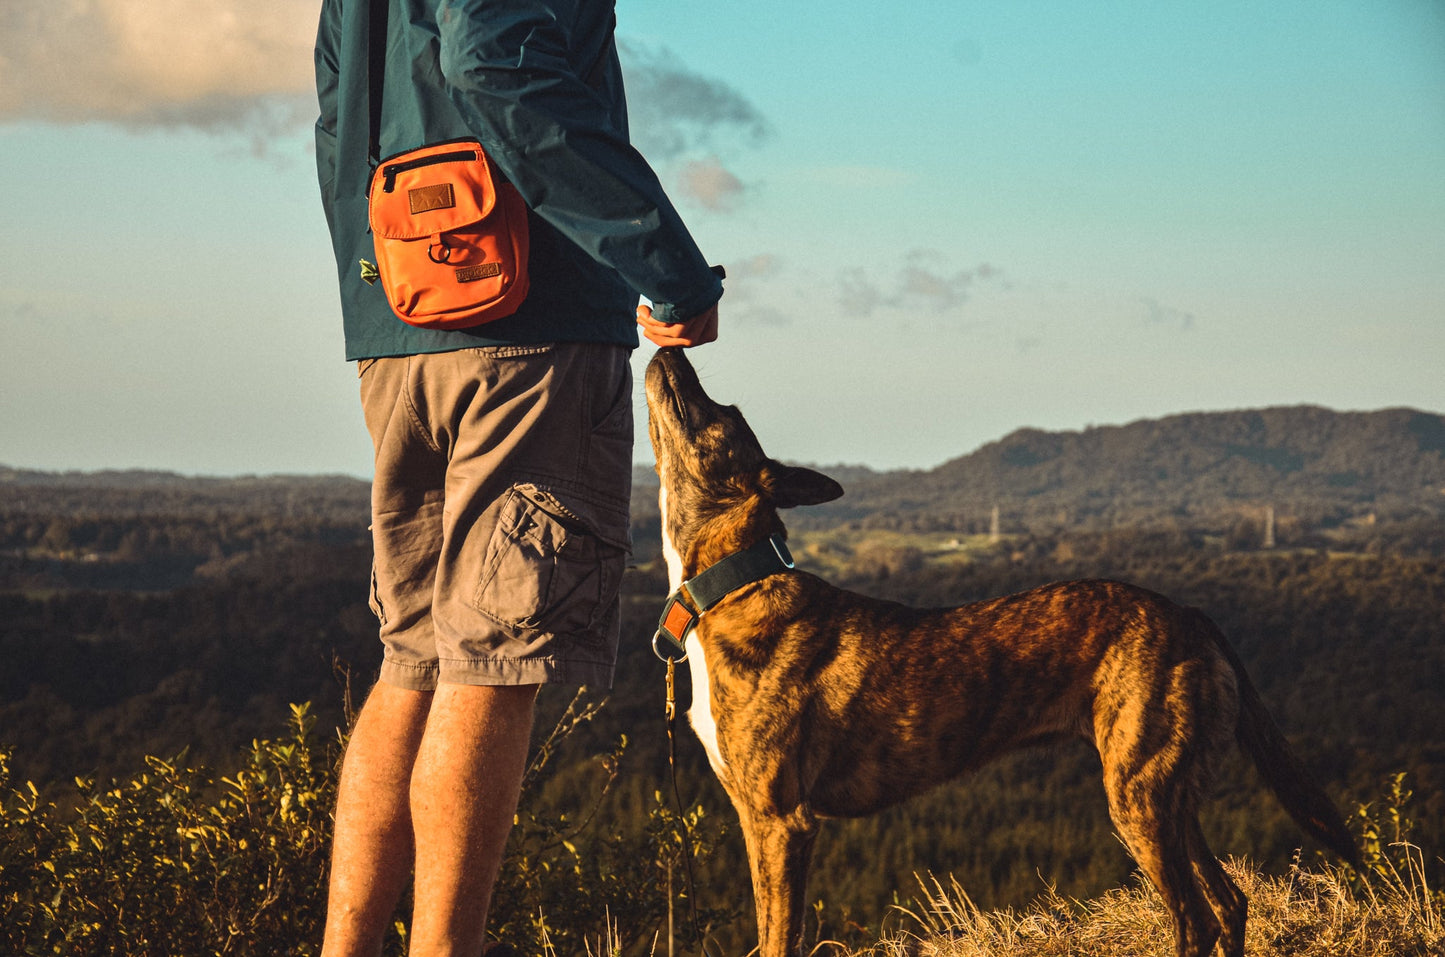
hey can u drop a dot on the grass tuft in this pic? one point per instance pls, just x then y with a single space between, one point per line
1331 912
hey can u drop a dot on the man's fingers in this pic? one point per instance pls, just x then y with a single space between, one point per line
694 332
664 336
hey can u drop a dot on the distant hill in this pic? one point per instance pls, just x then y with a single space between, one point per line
148 491
1205 469
1328 466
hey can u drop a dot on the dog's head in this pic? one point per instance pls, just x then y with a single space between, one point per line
720 491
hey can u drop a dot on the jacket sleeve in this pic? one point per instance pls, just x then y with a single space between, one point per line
508 73
328 38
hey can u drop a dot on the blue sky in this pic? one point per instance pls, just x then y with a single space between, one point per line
942 220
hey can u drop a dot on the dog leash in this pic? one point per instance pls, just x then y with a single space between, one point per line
671 712
684 607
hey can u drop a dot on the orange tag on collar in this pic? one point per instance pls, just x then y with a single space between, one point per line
678 620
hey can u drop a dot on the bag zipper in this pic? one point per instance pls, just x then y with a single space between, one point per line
390 171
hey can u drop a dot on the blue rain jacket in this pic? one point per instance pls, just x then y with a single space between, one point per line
537 82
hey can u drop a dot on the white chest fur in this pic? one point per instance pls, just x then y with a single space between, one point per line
699 715
669 552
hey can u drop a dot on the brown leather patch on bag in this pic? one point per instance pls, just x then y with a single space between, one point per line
424 199
481 271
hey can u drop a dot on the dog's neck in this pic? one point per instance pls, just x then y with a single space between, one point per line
687 603
691 553
676 572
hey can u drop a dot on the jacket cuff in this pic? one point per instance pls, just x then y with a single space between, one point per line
683 310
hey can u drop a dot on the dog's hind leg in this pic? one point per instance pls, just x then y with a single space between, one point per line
779 850
1147 728
1151 833
1224 896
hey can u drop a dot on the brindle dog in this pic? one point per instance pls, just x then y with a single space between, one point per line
814 702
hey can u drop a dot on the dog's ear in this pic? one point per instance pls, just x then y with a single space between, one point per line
790 485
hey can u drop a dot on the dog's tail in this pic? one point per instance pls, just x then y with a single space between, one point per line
1296 789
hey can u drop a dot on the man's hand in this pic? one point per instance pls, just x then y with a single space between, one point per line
694 332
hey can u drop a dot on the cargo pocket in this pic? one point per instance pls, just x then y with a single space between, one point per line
553 564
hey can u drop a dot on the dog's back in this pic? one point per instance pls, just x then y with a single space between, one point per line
909 698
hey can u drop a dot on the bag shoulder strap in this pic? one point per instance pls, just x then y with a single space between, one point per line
375 74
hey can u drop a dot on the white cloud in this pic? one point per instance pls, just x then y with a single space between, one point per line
682 119
216 65
758 266
228 66
924 281
1158 314
675 111
708 184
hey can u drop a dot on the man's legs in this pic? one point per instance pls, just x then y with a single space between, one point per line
431 778
446 768
371 855
463 799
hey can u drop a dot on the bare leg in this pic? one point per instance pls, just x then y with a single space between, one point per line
445 767
372 850
463 797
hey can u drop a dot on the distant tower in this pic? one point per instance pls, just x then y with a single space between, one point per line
1269 526
993 535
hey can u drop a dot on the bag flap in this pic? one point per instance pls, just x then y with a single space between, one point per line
431 190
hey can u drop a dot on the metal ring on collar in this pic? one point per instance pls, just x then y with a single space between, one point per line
662 657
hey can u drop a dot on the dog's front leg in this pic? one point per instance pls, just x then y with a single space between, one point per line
779 850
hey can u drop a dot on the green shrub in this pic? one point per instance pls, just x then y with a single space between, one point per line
174 861
569 885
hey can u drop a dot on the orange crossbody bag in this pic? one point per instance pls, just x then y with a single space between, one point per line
450 233
450 236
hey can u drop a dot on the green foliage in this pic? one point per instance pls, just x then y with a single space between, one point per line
174 861
171 861
570 886
1385 826
1390 862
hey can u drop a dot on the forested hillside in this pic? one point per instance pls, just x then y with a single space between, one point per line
1318 469
147 614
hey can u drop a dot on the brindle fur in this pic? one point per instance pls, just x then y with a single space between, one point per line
831 704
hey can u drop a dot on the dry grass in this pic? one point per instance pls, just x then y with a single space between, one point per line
1308 913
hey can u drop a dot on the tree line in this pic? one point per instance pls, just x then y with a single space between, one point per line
201 647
